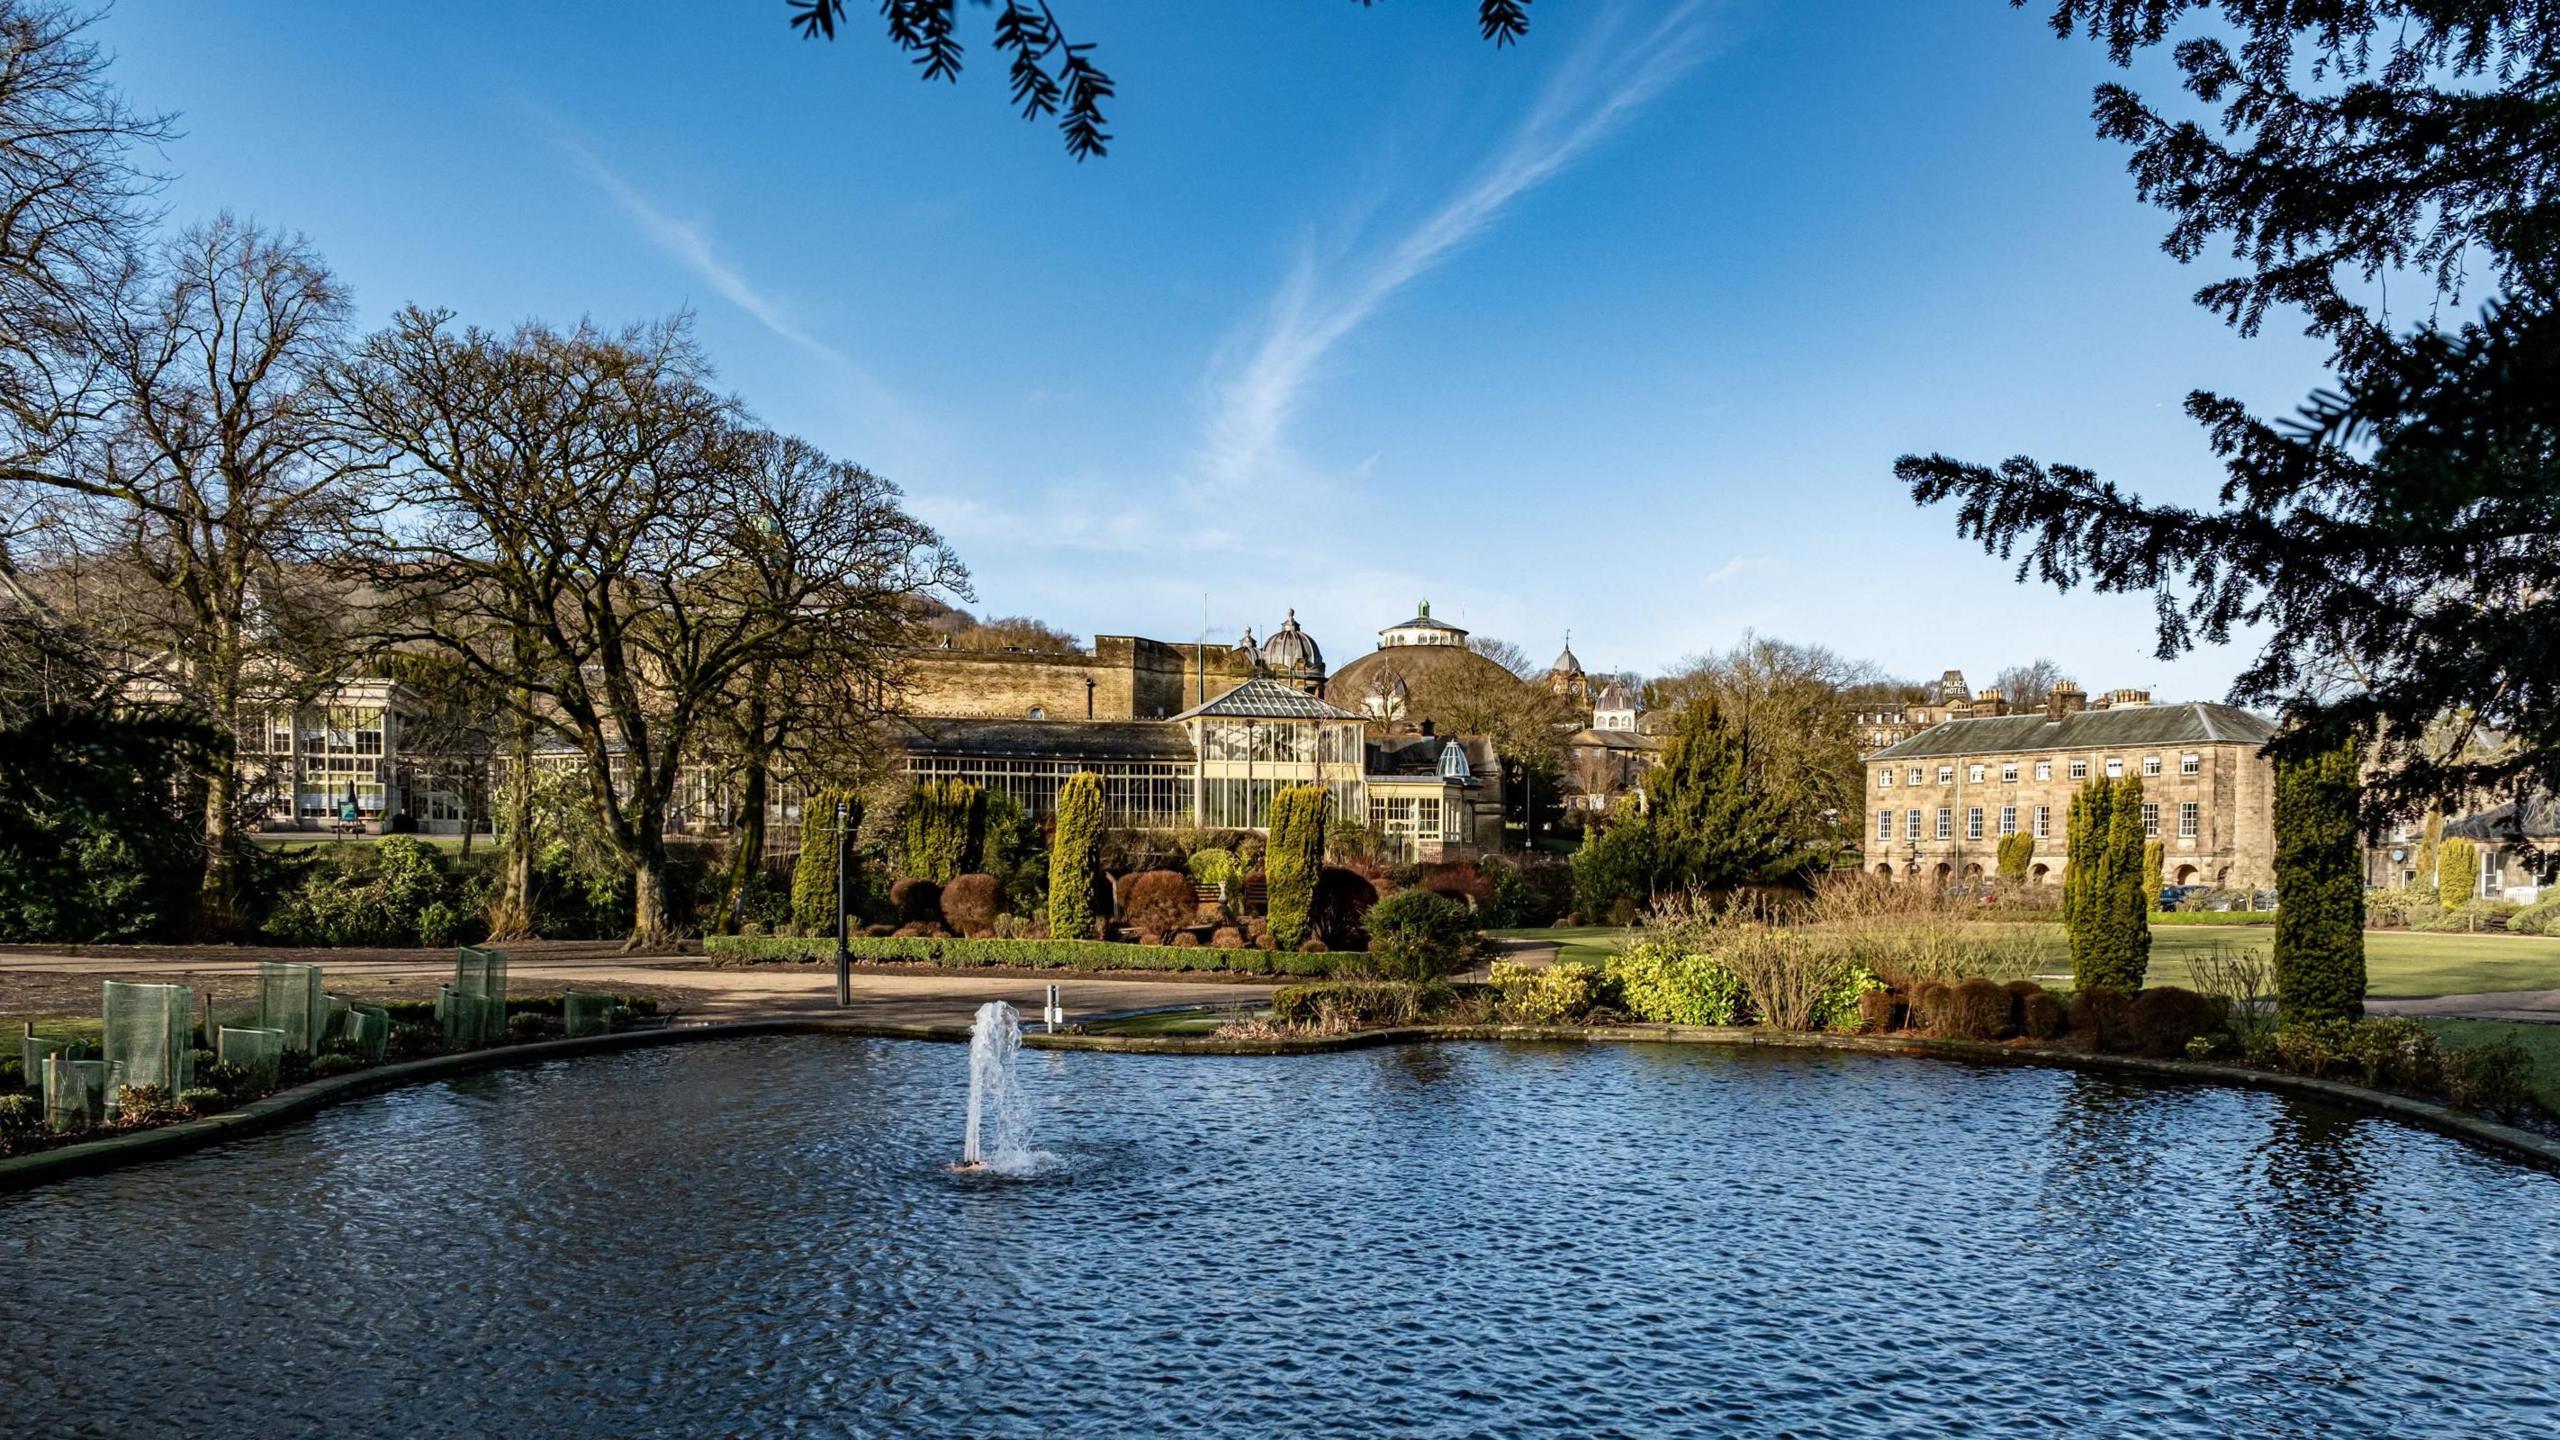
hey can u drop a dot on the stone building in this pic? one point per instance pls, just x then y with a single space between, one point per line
2519 849
1938 802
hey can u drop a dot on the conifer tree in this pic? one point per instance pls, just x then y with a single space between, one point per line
2086 840
2017 851
1712 830
2457 872
1075 858
813 879
1295 858
2124 916
2155 858
2319 955
942 830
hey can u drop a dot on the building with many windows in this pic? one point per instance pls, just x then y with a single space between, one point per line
1940 801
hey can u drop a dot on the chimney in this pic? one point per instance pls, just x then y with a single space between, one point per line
1990 702
1428 731
2063 699
2131 697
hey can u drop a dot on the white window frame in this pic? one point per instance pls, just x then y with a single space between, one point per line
1973 822
1974 774
2080 769
2150 819
1946 774
2190 819
1911 825
1884 825
2044 769
2044 822
1946 823
2008 819
2008 774
2190 764
2150 766
1884 778
2115 767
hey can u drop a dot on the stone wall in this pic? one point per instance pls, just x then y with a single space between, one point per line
1123 677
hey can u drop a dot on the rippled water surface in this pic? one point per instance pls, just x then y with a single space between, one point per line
758 1237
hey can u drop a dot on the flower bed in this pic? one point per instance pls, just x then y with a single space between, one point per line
1027 954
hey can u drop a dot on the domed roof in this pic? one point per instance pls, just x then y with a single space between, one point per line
1248 645
1292 651
1407 681
1614 696
1566 663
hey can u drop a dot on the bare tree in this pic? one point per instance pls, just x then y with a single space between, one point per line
581 519
223 471
1790 705
2025 686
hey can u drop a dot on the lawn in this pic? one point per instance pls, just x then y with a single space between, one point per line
2398 963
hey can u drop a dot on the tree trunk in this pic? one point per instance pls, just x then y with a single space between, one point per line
652 928
512 918
749 855
217 907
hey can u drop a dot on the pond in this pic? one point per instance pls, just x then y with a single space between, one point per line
759 1236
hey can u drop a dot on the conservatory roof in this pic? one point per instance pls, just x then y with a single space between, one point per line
1267 700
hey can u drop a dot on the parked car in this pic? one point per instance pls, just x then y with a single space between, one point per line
2172 896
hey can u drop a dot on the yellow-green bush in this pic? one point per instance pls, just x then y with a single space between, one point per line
1561 994
1661 983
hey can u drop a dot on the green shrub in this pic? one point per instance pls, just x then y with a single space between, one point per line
523 1026
2315 1048
2155 859
1418 935
941 830
1560 994
2457 873
203 1100
2470 917
1613 871
1659 982
340 1063
2105 910
1293 860
2162 1019
1075 858
2319 952
2494 1079
1212 867
1026 954
19 1113
813 878
2394 1052
2214 917
2014 853
1842 1004
1359 1002
2540 918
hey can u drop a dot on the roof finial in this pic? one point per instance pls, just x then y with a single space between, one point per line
1426 609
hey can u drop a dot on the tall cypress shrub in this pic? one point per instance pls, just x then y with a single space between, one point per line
1075 858
2422 884
1294 860
2016 852
813 878
2457 873
2319 888
2155 859
942 830
2125 917
2084 859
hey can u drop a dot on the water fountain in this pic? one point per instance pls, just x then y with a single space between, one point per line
999 1111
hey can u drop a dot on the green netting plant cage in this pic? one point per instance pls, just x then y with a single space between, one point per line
481 972
470 1020
590 1012
150 1034
258 1052
75 1093
290 999
33 1050
364 1031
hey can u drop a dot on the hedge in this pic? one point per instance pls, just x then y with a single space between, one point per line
1032 954
2214 917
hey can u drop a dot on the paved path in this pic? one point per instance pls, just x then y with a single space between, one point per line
34 982
2542 1006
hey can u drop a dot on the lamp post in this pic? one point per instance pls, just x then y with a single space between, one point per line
844 956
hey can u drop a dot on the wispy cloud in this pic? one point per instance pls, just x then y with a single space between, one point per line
1259 378
690 245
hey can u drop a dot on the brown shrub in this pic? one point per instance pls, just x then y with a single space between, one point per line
2099 1013
1311 946
970 903
2040 1016
878 932
1186 940
1878 1010
1928 1005
1226 937
1463 883
1158 901
1978 1009
917 930
1343 898
1264 941
2162 1019
917 902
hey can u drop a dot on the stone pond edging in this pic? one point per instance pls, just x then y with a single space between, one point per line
88 1157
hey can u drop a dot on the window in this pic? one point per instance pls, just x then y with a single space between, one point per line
2008 819
1946 823
2150 764
1916 773
2115 768
1884 778
2190 764
2187 818
1946 774
1884 826
1910 824
2044 822
2079 769
1974 774
2008 774
2150 818
1973 823
2044 769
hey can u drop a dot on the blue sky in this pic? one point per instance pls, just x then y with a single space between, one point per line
1618 331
